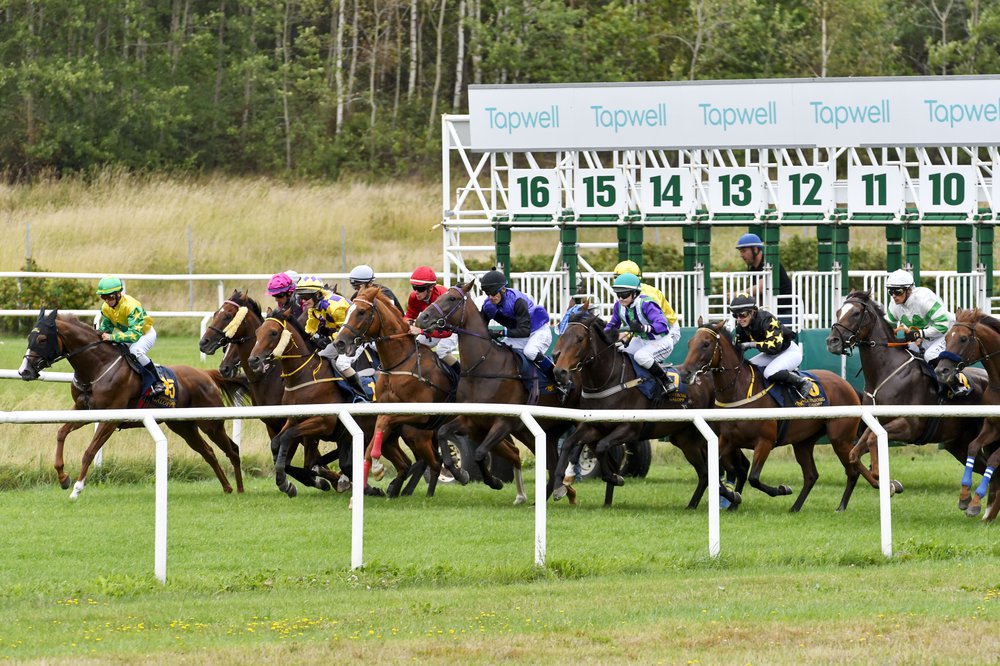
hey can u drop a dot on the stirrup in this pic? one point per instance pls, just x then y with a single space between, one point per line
158 388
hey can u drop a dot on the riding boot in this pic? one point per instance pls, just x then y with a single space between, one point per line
666 386
452 364
799 382
545 366
354 381
158 387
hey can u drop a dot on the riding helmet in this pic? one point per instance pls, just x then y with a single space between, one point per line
742 302
109 285
423 275
627 284
493 282
628 266
362 274
280 284
899 279
749 240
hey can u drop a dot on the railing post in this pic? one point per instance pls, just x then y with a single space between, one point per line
160 529
884 481
712 440
357 488
541 480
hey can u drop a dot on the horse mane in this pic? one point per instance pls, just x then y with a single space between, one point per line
976 315
75 322
241 298
865 297
293 322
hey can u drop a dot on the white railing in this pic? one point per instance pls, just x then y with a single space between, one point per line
527 414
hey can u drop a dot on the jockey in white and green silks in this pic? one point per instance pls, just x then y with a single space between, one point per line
124 320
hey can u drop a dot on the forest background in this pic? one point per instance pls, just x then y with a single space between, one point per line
327 89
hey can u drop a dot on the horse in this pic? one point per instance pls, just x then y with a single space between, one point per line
411 372
608 377
975 337
894 376
103 381
491 375
235 325
309 379
739 383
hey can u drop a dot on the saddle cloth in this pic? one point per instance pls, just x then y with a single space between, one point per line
786 396
168 399
648 384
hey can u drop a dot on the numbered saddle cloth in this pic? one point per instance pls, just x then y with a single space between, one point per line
168 399
648 384
529 374
787 396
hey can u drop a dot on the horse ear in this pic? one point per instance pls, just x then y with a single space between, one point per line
701 321
585 305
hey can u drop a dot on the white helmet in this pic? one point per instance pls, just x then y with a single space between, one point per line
899 278
362 274
293 275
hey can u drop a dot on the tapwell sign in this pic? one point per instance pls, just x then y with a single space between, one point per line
916 111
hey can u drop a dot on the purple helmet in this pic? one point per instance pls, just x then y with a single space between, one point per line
280 284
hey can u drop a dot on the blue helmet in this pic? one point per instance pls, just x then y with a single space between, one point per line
749 240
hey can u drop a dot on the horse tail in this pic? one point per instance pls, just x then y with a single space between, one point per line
235 390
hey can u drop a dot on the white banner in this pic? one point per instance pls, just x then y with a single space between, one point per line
796 112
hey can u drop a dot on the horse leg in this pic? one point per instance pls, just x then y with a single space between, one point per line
508 451
101 435
65 430
281 445
216 431
966 500
804 455
841 439
188 430
613 460
760 453
571 444
500 430
421 442
621 433
443 434
400 461
693 447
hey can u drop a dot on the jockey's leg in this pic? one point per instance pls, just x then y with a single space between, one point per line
446 348
342 363
140 349
648 357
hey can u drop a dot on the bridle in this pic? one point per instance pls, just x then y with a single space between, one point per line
853 340
442 321
960 362
711 365
229 331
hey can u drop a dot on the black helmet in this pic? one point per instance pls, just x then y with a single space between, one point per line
742 303
493 282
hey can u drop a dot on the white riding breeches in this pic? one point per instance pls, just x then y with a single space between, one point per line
533 345
140 348
647 352
786 360
441 346
934 348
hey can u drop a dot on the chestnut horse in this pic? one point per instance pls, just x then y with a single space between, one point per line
740 383
411 372
893 376
975 337
491 374
235 324
104 380
609 382
309 379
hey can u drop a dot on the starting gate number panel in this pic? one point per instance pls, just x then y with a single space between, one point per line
533 191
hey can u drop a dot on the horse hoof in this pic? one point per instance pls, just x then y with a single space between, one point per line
519 500
64 483
322 484
463 477
290 490
973 510
616 480
963 504
737 499
495 484
784 489
895 487
343 484
558 493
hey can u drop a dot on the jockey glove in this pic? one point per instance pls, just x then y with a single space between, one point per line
496 334
747 345
321 341
638 327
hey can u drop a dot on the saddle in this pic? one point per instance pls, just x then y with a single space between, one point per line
647 385
787 396
168 399
535 383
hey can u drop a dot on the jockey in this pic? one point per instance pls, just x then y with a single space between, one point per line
282 287
364 276
920 317
426 290
649 290
652 339
525 324
327 312
780 355
123 319
578 298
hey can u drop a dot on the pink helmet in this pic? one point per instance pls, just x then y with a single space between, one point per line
423 275
280 284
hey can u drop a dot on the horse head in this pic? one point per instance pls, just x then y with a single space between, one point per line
860 321
580 344
974 337
449 310
228 324
275 336
44 347
709 349
364 322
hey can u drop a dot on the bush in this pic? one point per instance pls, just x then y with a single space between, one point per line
35 294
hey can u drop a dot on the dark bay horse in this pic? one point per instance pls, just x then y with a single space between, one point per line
411 372
609 382
740 383
309 379
491 374
975 337
894 376
104 380
235 324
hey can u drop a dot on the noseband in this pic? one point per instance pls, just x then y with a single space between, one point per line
360 333
852 340
229 331
442 321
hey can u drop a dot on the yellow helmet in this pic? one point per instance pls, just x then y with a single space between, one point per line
628 267
309 285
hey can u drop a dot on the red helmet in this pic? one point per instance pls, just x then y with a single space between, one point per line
423 275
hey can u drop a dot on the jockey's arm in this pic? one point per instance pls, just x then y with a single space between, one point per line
523 316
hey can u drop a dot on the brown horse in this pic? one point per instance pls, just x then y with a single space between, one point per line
610 382
740 383
975 337
104 380
411 372
894 376
309 379
491 374
235 325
